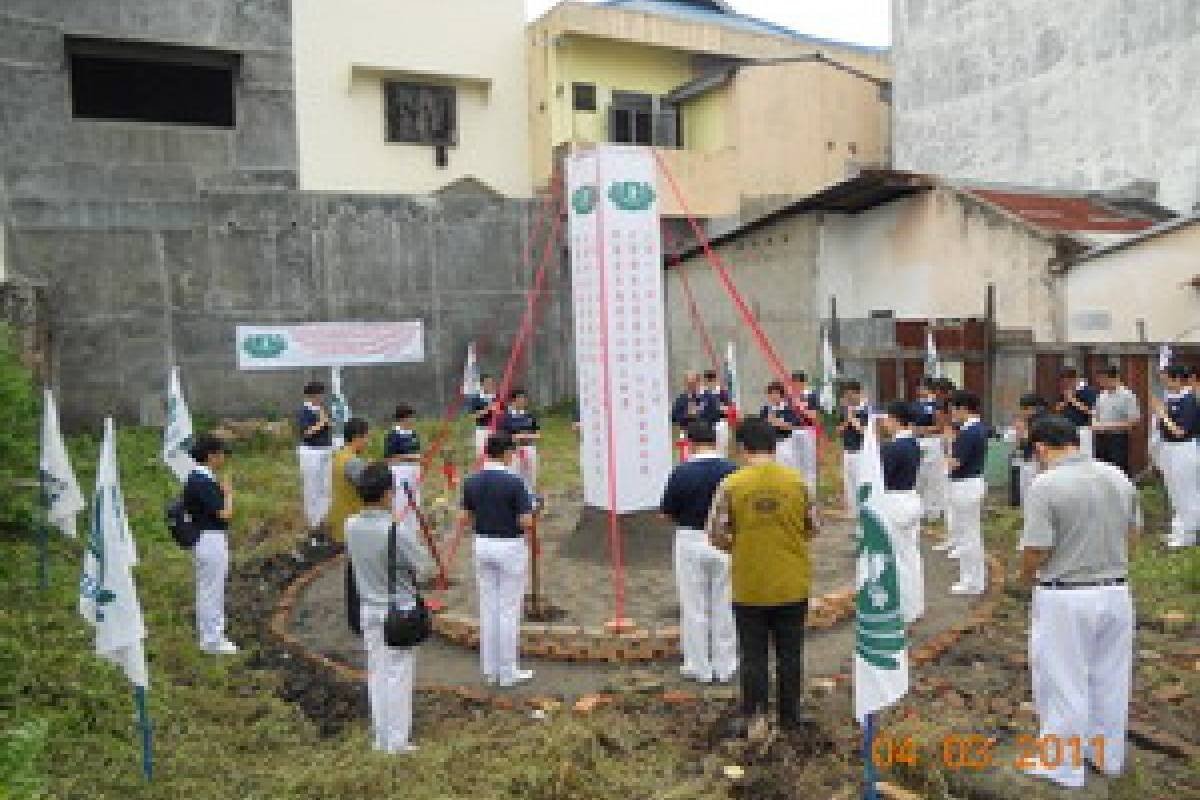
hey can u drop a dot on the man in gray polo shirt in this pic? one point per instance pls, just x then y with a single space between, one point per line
1078 517
1115 415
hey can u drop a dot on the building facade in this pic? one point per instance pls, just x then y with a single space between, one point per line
1077 94
738 107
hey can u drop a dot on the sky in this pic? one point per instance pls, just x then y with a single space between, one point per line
858 21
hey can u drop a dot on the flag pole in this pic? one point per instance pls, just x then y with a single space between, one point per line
139 700
869 792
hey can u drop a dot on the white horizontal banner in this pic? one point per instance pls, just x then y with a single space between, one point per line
329 344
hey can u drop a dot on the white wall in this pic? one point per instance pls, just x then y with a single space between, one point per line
340 125
1141 282
932 255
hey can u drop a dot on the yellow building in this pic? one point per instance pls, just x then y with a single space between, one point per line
740 108
407 96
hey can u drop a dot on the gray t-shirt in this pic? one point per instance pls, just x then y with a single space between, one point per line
366 542
1119 405
1081 510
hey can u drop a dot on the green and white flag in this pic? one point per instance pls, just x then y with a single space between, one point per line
339 409
107 596
61 496
733 379
880 647
828 374
177 431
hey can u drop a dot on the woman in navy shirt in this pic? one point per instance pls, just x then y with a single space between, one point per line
210 505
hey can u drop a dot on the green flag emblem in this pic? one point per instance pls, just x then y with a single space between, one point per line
265 345
631 195
583 200
879 635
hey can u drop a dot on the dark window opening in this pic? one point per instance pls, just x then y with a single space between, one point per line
140 82
637 118
583 96
421 114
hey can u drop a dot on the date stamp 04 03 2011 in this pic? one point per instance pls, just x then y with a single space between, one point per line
976 751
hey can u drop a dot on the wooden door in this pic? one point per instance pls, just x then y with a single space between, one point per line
914 370
1045 377
885 380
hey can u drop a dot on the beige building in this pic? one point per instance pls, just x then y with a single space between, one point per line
738 107
407 96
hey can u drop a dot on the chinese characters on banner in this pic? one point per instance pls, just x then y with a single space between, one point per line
616 273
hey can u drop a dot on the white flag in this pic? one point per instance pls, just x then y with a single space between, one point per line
107 596
733 380
828 374
177 432
933 367
880 649
1164 357
60 489
339 409
471 384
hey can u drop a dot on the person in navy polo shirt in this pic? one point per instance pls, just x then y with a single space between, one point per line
715 410
482 407
687 404
209 502
496 503
1076 402
852 422
521 424
806 405
707 633
901 460
315 454
967 489
1178 419
402 451
782 418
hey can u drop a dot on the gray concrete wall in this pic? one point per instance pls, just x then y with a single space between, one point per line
1081 94
154 241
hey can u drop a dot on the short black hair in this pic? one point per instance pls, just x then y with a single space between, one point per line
776 386
701 432
313 388
1054 431
945 385
498 444
374 482
710 374
205 445
1111 371
1031 400
1178 371
851 386
800 376
518 392
404 411
757 436
487 376
965 399
900 411
354 428
1068 372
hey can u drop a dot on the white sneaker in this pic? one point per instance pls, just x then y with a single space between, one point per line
221 648
516 678
962 588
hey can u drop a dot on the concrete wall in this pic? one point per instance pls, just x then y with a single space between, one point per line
1107 297
932 255
774 270
341 121
1082 94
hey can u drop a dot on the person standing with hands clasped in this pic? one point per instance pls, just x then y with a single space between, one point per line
315 454
762 516
1114 416
1179 425
852 422
496 502
968 454
389 669
1078 517
901 461
210 504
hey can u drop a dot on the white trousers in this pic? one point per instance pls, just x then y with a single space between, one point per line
390 673
850 481
1085 441
804 450
1081 663
316 476
500 570
785 452
406 474
526 466
722 431
212 568
1180 464
933 483
1027 471
707 634
903 512
966 531
481 437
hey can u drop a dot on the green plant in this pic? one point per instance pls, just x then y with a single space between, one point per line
18 438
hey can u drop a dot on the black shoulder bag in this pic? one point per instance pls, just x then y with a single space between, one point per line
407 627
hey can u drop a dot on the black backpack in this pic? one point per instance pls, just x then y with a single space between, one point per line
181 525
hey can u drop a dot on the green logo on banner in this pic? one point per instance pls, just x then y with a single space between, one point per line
879 636
631 195
583 200
265 345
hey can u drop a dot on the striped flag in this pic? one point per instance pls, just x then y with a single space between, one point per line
471 384
339 409
732 379
828 374
933 367
61 496
177 431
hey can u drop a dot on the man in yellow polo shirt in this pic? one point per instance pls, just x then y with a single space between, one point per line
763 517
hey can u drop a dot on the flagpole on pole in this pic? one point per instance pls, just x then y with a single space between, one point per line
139 700
869 792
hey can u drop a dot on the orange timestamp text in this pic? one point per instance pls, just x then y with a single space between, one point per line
965 751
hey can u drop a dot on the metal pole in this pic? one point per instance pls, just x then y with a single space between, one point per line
139 700
869 792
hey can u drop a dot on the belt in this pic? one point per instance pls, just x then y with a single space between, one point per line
966 478
500 535
1083 585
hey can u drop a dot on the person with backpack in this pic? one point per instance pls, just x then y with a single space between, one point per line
208 502
390 669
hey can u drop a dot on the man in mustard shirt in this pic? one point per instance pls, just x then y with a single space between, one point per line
763 517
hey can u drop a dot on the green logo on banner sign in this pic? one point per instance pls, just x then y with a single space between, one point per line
879 636
631 195
583 200
265 345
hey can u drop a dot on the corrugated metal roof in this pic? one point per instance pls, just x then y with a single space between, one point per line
1064 213
703 11
1149 233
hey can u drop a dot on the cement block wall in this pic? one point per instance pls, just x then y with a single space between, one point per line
1081 94
154 241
